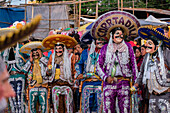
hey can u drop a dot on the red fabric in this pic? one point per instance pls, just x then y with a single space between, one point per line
139 62
132 43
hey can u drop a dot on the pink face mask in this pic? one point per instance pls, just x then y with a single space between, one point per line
150 47
59 50
118 36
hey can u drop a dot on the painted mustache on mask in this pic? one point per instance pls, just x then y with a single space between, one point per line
148 47
35 55
118 37
58 51
100 43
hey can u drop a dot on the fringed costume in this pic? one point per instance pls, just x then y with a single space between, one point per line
116 63
61 72
91 84
38 92
155 69
15 60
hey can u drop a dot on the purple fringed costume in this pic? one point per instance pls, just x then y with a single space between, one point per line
126 71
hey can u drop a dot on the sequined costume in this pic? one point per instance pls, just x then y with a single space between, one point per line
15 60
154 72
91 85
155 83
37 91
126 70
62 92
61 72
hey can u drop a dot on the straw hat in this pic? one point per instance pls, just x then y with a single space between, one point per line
50 41
4 31
32 45
13 37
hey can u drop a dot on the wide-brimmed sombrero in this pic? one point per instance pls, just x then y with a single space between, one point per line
4 31
12 37
32 45
147 32
110 20
50 41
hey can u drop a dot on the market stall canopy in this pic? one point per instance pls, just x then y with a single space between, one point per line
88 20
151 20
83 29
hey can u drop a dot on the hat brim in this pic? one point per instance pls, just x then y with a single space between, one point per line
146 32
13 37
86 38
4 31
32 45
110 20
50 41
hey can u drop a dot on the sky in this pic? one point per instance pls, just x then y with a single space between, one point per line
18 2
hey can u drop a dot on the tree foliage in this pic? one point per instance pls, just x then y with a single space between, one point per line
107 5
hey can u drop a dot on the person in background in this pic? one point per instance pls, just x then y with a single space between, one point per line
79 48
166 30
145 94
143 50
139 58
77 36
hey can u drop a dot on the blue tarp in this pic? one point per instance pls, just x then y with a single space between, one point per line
9 15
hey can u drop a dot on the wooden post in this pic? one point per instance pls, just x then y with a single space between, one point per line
118 4
25 19
32 16
121 5
79 12
49 17
75 14
96 10
133 8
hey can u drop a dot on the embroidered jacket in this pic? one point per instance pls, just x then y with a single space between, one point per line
126 60
82 64
154 77
28 67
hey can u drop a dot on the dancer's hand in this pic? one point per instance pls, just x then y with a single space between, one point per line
39 52
110 80
133 88
31 59
80 76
